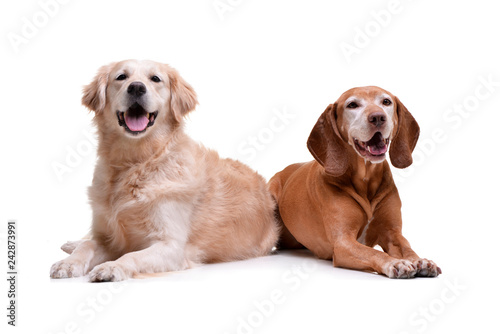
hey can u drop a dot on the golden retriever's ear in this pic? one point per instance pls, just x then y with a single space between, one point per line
405 139
182 95
94 94
326 144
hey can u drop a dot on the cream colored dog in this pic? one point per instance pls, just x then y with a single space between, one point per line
160 201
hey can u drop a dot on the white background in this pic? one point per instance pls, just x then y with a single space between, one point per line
258 58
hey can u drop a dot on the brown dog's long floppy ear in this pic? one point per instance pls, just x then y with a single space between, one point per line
182 95
405 139
326 145
94 94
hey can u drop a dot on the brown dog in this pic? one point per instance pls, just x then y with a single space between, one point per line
344 203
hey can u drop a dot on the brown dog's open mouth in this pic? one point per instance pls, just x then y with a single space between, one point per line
136 119
375 147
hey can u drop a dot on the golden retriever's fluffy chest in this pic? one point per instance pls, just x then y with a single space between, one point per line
137 204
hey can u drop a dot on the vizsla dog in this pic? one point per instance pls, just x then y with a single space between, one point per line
345 202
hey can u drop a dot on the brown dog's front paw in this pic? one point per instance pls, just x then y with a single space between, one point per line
426 268
401 269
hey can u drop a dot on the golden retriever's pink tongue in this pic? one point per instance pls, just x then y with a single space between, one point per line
136 123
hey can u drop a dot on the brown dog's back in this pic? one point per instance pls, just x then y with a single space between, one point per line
276 184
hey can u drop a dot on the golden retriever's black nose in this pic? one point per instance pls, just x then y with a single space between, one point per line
377 119
136 89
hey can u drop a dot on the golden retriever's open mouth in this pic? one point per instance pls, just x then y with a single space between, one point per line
136 119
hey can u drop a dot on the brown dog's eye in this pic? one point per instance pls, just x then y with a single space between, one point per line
352 105
155 78
386 102
121 77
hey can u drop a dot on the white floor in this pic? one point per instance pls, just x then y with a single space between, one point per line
289 292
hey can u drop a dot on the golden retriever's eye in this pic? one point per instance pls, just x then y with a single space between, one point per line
155 78
386 102
121 77
352 105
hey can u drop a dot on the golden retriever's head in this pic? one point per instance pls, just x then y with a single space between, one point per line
135 97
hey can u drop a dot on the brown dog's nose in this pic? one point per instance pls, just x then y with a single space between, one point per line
377 119
136 89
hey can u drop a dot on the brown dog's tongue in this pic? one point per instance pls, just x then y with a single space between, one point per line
377 144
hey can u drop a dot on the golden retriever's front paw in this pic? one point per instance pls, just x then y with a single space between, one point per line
426 268
108 272
400 269
67 268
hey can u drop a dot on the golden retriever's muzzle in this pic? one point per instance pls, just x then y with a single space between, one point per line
136 119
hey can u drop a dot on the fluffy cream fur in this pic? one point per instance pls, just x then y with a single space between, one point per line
160 201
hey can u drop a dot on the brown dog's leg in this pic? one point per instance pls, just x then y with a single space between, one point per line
342 228
348 253
385 230
396 245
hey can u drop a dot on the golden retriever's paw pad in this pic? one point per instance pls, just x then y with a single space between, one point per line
108 272
426 268
401 269
67 269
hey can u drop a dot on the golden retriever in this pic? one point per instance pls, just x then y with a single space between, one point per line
160 201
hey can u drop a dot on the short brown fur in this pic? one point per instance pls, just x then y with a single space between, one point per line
326 204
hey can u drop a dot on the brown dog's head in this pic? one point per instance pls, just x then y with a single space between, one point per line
368 120
132 96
